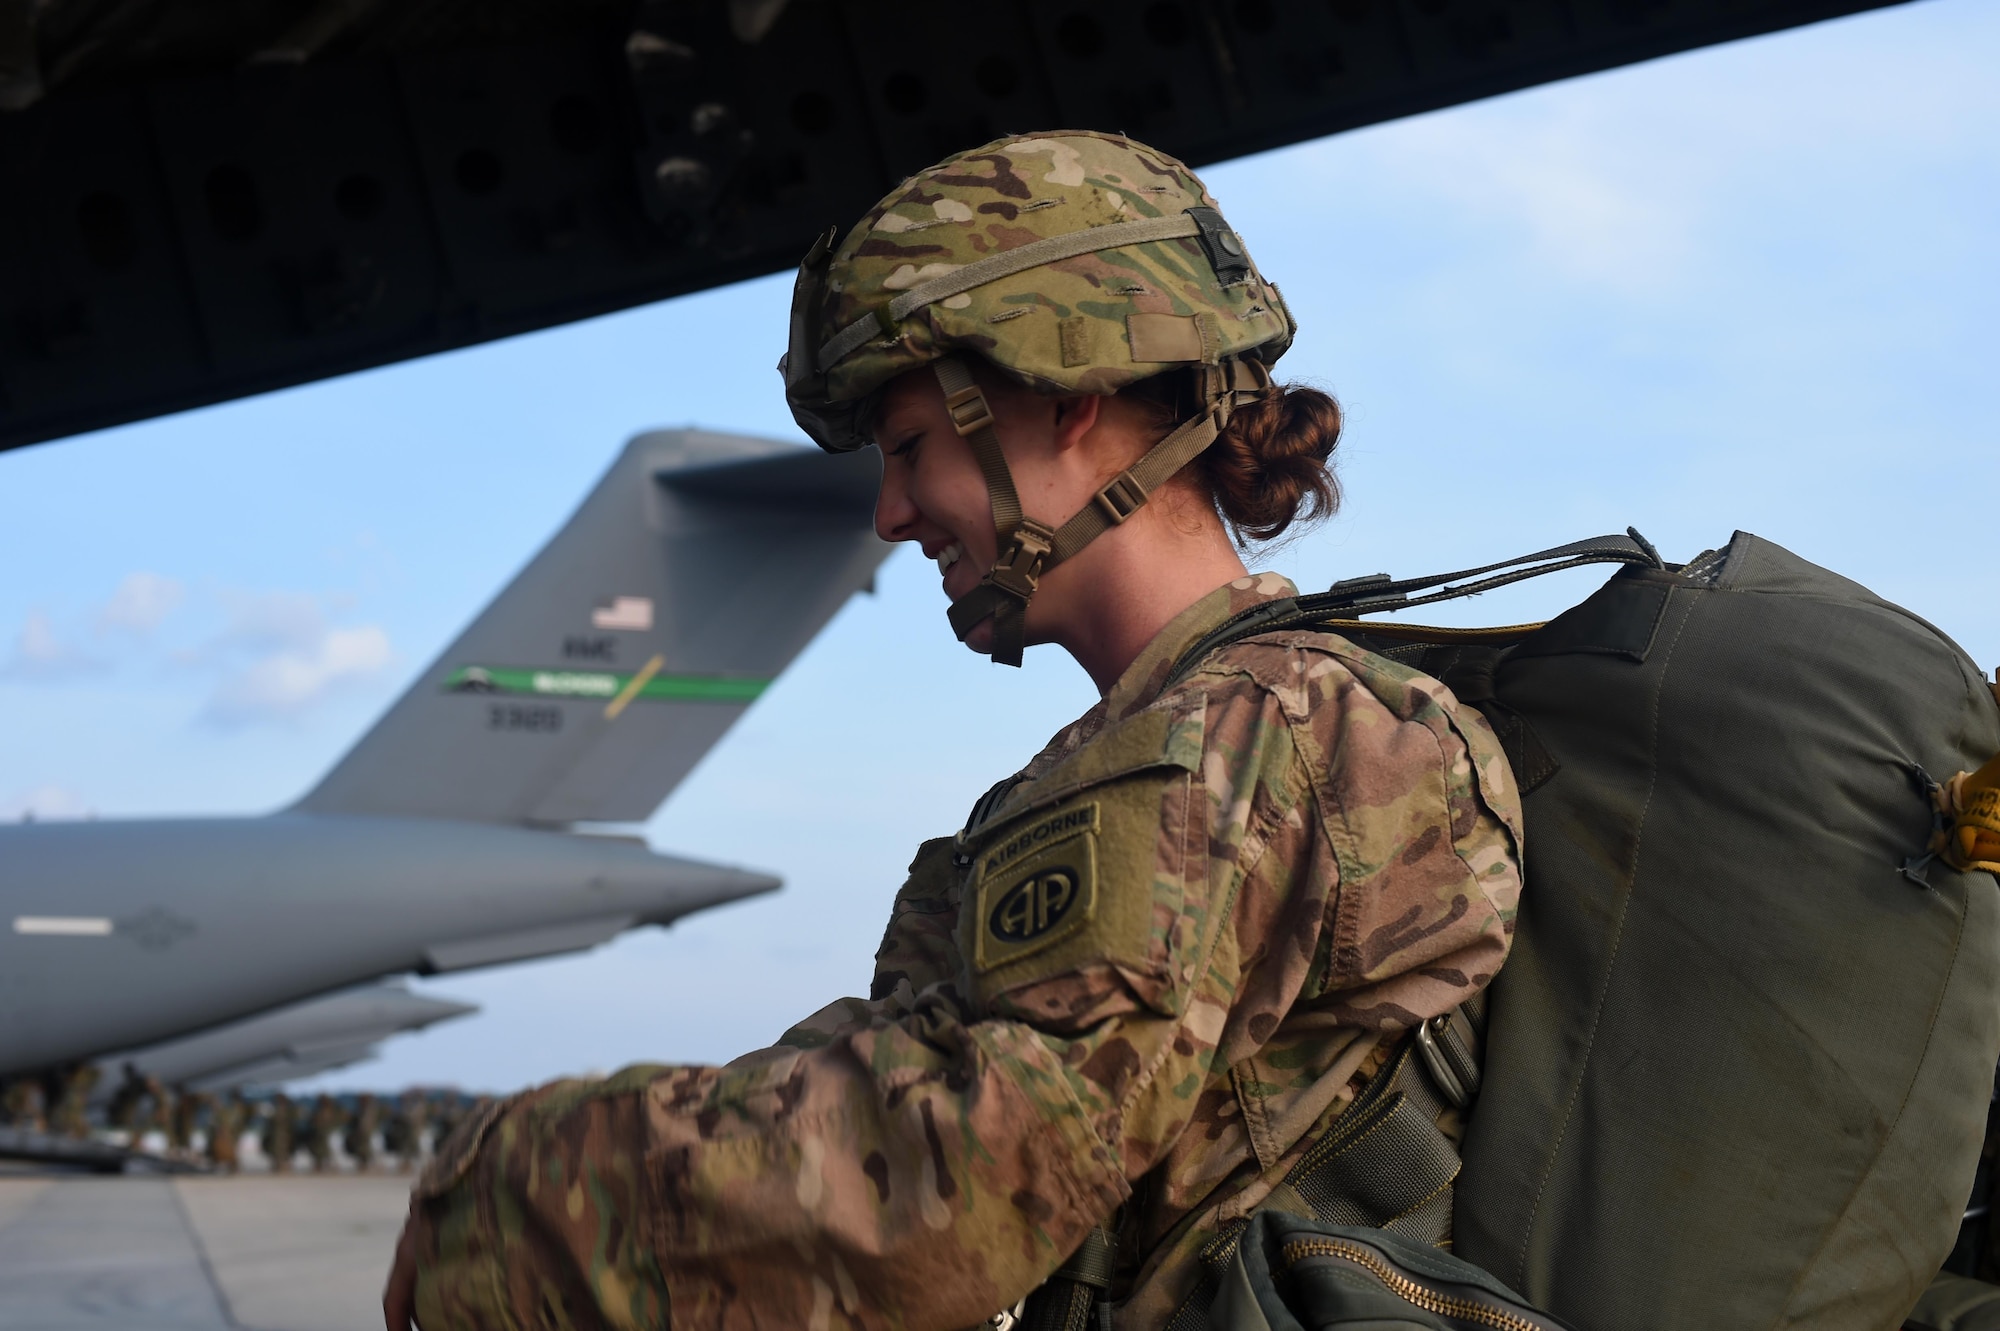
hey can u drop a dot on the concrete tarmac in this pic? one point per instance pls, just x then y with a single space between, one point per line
249 1253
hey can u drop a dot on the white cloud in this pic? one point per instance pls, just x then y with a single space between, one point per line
41 654
141 602
44 803
277 657
280 657
274 619
38 644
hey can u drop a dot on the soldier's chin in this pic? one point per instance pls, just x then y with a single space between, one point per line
980 640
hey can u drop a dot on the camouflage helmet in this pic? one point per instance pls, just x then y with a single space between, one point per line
1072 262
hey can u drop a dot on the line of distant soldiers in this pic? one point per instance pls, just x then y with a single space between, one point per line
203 1126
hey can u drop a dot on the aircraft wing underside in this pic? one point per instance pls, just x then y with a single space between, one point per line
203 201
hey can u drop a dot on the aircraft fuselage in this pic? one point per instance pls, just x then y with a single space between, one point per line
115 934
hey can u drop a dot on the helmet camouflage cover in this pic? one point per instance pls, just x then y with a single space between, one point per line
1078 300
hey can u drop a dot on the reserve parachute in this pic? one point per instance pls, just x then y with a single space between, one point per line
1737 1067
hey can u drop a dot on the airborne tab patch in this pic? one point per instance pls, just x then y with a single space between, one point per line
1035 885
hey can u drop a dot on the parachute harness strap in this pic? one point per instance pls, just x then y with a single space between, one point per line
1028 548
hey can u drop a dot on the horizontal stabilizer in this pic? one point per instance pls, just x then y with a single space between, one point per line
281 1044
689 578
292 1065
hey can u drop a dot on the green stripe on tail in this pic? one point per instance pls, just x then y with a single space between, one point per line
602 684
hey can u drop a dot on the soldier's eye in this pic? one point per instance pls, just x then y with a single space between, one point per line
906 446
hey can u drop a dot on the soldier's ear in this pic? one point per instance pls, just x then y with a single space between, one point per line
1075 417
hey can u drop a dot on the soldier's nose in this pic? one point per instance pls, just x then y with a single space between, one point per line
895 514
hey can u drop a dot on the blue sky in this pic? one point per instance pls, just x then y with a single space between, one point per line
1750 287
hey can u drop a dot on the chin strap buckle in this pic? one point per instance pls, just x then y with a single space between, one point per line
1003 594
1019 567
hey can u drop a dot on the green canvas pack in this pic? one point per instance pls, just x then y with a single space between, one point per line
1956 1303
1738 1064
1294 1274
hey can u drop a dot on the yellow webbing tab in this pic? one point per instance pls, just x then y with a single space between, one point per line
1970 803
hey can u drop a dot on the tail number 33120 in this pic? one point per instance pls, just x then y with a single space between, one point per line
536 718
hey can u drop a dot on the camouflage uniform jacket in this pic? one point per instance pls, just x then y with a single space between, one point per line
1153 970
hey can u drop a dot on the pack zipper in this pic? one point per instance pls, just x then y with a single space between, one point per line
1404 1287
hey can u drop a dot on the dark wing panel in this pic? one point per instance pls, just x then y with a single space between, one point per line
203 201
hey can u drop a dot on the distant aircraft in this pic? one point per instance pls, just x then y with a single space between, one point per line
456 833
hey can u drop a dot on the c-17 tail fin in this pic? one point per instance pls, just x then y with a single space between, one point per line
696 570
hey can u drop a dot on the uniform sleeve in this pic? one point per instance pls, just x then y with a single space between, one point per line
939 1153
918 949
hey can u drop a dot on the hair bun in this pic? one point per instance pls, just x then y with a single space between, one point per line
1270 466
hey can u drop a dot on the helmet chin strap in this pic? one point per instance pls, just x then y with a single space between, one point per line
1029 548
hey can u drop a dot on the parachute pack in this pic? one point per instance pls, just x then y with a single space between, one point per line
1738 1066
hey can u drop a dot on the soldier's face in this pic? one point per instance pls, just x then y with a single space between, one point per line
932 490
934 494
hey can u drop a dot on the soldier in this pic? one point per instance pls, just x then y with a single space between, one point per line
71 1095
1114 1012
155 1113
404 1135
225 1128
447 1112
396 1134
280 1133
359 1140
124 1106
188 1108
23 1105
326 1118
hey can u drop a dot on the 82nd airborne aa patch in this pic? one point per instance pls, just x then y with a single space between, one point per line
1035 885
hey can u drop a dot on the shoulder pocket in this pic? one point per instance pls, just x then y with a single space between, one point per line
932 884
455 1154
1151 739
1085 866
